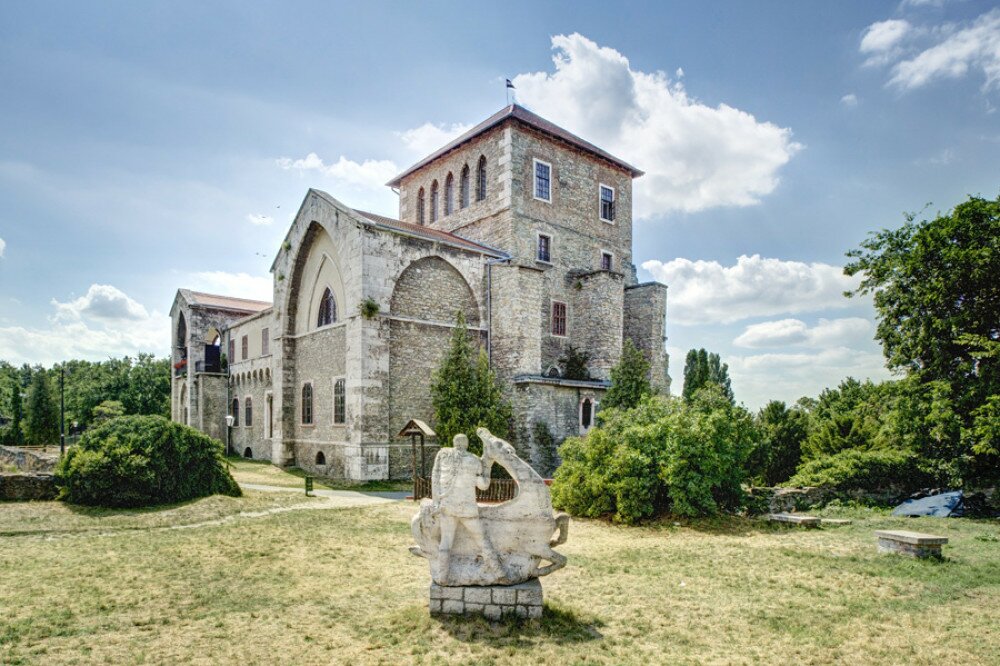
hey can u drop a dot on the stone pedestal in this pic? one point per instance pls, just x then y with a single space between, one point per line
914 544
492 601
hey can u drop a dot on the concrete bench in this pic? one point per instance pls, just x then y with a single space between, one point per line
913 544
794 519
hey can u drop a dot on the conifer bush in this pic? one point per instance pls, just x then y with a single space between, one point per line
135 461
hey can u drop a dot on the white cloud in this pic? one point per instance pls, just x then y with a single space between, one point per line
795 332
3 246
369 174
105 322
973 47
695 156
704 292
104 302
259 220
427 138
762 377
240 285
850 100
884 35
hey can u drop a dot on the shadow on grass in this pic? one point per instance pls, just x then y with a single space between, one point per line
557 625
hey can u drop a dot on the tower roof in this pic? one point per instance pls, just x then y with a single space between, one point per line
522 115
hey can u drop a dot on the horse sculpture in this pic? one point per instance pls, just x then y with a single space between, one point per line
519 531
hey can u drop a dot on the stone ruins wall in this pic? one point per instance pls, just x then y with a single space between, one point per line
645 325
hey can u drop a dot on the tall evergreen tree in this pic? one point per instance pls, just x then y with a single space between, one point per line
702 368
42 424
629 379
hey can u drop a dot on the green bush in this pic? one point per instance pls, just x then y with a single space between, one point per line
137 461
857 469
665 455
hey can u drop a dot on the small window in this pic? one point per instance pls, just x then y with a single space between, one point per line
481 179
248 412
607 261
245 346
248 452
434 202
420 207
232 351
307 404
607 203
265 342
327 309
558 318
320 458
544 248
543 181
463 188
236 411
586 414
449 195
339 402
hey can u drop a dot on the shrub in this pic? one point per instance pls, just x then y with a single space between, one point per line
664 455
629 379
857 469
143 461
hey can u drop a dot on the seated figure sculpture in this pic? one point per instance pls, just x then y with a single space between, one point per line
487 544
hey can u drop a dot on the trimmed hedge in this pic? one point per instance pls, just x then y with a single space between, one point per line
135 461
856 469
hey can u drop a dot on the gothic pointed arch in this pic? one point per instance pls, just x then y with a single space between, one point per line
317 268
463 188
449 195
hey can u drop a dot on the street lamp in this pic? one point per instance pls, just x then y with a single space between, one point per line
230 420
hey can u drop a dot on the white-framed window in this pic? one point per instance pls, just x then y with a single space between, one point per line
544 251
607 202
543 180
607 261
558 327
339 401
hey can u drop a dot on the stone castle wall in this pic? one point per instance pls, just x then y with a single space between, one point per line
645 324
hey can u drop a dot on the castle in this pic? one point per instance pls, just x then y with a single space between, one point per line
521 225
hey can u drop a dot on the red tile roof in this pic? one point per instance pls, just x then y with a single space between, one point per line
225 302
520 114
429 233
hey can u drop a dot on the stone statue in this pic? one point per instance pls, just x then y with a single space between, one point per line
487 544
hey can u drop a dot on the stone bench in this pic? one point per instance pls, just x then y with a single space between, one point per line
913 544
794 519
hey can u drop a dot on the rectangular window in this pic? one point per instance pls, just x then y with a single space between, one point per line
543 181
245 344
544 248
339 402
558 318
307 404
607 261
607 203
265 342
232 350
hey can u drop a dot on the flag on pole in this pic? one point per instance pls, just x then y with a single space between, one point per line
509 84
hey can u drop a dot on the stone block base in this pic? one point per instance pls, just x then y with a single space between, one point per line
493 601
913 544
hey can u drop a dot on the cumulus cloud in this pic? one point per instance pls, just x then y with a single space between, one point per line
3 246
259 220
795 332
976 47
240 285
850 100
367 174
104 302
427 138
105 322
695 156
884 35
704 292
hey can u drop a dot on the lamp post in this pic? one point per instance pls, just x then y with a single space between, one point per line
230 420
62 410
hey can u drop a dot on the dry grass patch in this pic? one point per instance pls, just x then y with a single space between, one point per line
339 587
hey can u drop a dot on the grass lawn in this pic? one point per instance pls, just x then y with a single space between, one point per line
264 473
339 587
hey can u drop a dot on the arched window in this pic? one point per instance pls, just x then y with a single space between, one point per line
434 202
307 404
236 411
327 309
586 414
248 412
463 188
339 402
449 195
320 458
481 179
420 207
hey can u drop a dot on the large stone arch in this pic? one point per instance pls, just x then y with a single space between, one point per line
431 289
317 265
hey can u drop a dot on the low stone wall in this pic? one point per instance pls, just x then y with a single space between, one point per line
29 460
26 487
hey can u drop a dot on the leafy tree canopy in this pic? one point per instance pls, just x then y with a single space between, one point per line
702 368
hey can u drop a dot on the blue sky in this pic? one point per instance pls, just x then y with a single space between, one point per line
149 146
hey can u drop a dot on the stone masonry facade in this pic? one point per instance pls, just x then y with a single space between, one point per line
326 374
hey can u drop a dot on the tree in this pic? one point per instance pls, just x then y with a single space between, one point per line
465 392
12 434
42 423
574 363
779 448
702 368
106 411
629 379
